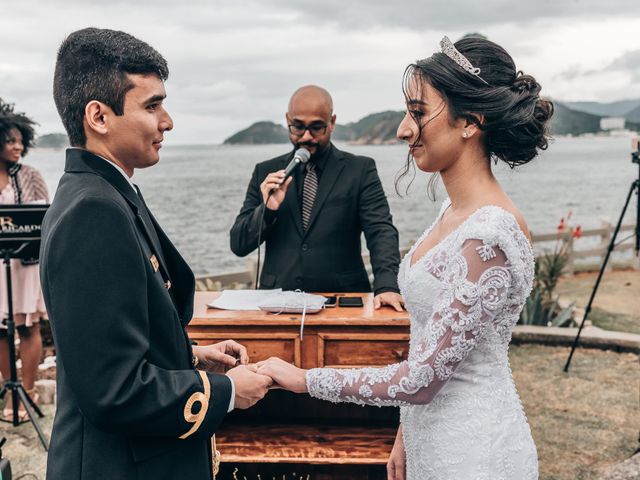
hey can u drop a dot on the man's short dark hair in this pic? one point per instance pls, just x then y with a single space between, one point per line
93 64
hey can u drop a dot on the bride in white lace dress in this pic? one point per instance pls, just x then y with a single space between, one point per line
465 280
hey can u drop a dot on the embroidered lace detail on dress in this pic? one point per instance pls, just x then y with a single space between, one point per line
474 292
464 297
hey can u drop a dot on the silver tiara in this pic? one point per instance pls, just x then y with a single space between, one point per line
447 47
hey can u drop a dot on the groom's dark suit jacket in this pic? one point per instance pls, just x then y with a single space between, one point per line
326 257
125 379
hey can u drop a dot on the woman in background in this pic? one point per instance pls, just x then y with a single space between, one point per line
20 184
465 280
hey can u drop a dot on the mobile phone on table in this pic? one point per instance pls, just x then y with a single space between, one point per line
350 301
331 301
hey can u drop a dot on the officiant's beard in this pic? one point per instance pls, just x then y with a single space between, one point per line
318 148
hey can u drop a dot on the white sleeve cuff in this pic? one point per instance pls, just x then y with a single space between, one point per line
232 400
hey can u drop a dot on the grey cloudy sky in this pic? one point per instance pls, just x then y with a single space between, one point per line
234 63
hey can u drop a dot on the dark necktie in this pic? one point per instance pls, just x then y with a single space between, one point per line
309 190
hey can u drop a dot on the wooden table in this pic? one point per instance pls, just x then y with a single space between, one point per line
289 432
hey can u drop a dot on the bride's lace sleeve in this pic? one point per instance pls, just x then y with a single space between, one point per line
475 285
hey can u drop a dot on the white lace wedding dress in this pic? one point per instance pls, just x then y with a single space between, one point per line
460 411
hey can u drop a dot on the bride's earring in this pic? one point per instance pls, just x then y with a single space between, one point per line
465 134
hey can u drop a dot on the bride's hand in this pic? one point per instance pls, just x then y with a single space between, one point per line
284 374
397 459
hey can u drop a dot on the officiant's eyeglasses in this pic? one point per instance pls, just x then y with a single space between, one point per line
315 129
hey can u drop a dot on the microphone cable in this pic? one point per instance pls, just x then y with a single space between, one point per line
262 209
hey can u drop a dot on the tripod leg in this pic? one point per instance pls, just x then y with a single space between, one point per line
612 244
33 404
638 213
27 405
15 404
17 390
3 392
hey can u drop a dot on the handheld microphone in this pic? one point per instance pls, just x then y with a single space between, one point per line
300 157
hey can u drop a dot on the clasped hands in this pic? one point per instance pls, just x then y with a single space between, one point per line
251 381
231 358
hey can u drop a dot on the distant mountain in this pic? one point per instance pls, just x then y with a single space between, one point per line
612 109
52 140
380 128
566 121
260 133
377 128
633 115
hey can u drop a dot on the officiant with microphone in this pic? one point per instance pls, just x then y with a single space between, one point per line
311 221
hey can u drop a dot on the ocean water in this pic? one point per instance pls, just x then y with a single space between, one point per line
196 192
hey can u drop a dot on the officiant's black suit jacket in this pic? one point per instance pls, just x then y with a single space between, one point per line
124 362
327 256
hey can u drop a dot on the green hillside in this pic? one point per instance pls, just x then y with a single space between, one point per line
621 108
566 121
259 133
634 115
380 128
376 128
52 140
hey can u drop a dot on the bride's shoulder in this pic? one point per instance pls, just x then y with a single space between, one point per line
511 209
500 216
509 216
499 225
497 232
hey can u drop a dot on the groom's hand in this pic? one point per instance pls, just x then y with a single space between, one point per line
250 386
220 357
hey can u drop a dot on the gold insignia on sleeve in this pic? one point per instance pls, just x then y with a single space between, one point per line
154 263
203 399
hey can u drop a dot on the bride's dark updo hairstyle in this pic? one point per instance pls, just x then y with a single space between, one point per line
507 108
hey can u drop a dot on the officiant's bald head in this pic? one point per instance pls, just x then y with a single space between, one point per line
310 118
311 94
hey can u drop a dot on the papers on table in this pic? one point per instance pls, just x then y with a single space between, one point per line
241 299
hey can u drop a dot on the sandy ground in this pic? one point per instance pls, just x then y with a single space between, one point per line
23 448
582 422
618 292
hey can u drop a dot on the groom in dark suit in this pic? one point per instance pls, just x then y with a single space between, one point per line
313 221
131 403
